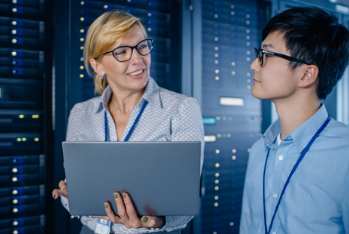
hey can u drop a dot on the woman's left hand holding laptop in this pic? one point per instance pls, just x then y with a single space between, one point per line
127 214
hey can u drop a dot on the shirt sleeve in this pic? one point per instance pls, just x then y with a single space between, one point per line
345 207
247 199
71 136
245 221
74 119
186 125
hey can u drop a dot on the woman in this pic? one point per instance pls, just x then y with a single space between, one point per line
131 107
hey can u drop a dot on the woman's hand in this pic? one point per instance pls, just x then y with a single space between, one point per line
62 191
127 214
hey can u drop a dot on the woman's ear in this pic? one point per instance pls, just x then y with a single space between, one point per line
97 67
310 76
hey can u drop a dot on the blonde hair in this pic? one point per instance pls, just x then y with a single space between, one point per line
106 31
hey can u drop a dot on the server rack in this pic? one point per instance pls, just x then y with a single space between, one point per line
231 115
25 113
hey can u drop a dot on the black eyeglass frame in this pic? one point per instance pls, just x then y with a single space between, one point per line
132 47
289 58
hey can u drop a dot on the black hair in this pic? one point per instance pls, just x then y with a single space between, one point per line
314 36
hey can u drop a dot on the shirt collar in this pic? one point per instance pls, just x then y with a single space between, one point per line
302 135
270 135
151 94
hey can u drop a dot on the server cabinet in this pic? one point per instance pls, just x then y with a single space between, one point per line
231 115
25 115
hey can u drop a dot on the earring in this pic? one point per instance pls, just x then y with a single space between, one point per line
102 79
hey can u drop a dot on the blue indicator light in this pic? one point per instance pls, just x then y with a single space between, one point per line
17 63
18 71
18 160
209 120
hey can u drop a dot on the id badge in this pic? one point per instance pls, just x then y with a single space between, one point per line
103 226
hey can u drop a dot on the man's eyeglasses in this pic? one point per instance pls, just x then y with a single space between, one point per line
261 55
124 53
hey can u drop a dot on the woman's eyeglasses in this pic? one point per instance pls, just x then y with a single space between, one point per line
124 53
260 54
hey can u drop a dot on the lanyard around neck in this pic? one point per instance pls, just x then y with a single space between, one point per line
132 128
304 151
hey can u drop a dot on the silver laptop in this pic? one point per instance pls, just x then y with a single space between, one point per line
162 178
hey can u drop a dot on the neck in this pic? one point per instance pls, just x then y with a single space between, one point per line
125 101
293 115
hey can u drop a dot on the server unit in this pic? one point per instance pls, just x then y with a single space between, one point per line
231 115
23 128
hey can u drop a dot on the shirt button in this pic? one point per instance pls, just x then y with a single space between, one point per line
281 157
275 195
274 233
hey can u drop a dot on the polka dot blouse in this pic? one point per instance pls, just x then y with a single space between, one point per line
169 116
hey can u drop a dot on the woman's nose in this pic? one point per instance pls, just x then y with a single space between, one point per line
136 57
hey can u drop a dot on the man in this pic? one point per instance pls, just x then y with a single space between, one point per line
297 179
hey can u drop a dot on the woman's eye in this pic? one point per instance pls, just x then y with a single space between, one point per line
142 46
119 52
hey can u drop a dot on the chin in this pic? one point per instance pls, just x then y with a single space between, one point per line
140 84
259 95
254 92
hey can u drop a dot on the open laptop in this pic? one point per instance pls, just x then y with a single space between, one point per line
162 178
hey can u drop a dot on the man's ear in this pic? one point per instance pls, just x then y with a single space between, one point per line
97 67
310 76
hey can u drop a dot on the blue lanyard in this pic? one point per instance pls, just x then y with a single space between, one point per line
304 151
132 128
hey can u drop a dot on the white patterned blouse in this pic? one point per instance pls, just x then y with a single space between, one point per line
169 116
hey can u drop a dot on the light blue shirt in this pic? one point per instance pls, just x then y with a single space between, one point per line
316 199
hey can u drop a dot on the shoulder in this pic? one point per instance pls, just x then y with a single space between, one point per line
336 131
87 107
258 144
257 148
175 100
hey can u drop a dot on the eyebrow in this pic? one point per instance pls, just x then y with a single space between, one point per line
131 45
267 46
